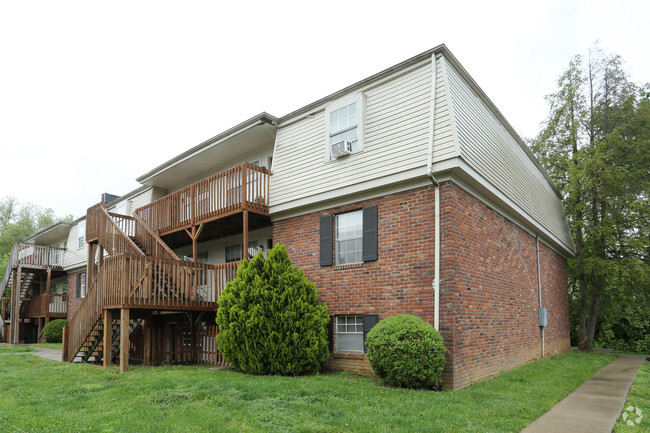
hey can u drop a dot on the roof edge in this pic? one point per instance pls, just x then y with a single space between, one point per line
442 48
258 119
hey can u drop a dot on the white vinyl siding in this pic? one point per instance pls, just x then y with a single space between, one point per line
395 140
490 149
74 255
445 145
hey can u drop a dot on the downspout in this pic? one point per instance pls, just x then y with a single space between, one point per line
542 311
436 236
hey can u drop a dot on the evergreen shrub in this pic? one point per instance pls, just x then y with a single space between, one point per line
406 351
269 318
53 331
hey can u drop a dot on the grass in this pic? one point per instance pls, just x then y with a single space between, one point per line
5 349
639 396
48 345
44 396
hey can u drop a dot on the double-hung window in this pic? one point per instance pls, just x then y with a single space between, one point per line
349 237
350 332
234 253
81 233
344 127
81 285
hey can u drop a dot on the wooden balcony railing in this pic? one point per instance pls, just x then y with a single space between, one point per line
102 227
47 304
36 256
243 187
135 281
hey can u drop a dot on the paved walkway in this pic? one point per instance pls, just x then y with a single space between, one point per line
596 405
43 352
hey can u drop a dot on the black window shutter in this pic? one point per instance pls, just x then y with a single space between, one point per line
369 321
369 251
326 255
78 286
330 334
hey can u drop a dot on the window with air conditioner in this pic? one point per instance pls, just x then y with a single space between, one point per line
344 125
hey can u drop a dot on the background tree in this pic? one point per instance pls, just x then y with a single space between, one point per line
595 144
19 221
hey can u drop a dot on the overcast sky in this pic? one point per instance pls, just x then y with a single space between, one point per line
94 94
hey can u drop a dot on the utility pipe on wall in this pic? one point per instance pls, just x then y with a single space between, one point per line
539 289
436 240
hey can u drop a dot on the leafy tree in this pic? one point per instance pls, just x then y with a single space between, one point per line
19 221
269 318
595 144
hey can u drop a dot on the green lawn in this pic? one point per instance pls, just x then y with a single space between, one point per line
639 396
15 349
48 345
44 396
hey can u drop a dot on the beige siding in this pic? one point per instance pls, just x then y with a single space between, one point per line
445 145
490 149
396 137
75 256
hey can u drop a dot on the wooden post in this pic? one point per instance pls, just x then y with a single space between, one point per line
108 337
90 263
40 327
124 340
13 307
195 247
245 246
147 341
49 280
65 353
100 258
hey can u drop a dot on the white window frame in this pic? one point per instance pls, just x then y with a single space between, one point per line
81 233
229 247
337 240
344 322
360 99
82 285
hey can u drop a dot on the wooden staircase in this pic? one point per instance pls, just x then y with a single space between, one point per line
140 272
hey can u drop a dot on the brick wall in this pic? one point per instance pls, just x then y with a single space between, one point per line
489 292
73 301
489 295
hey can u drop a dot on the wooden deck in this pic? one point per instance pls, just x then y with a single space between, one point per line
245 187
48 305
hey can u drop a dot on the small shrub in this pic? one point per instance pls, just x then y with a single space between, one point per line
269 318
53 331
406 351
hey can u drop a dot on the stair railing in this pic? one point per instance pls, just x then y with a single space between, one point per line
151 242
100 226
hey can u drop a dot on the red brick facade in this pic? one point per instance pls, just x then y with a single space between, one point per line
489 298
73 300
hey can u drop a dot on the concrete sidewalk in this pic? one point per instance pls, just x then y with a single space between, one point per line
596 405
47 353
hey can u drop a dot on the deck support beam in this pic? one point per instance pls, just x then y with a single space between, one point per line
245 235
124 340
147 341
108 337
49 280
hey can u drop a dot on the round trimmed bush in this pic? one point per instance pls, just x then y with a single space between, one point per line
53 331
406 351
269 318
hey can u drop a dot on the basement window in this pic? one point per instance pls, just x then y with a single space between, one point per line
349 334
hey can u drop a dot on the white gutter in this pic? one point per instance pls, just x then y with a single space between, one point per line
436 239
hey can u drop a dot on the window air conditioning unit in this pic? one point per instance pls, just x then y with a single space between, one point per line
341 148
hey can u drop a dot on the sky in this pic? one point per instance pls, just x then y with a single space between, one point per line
94 94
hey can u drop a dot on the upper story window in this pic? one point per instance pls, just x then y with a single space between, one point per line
81 233
349 237
345 127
